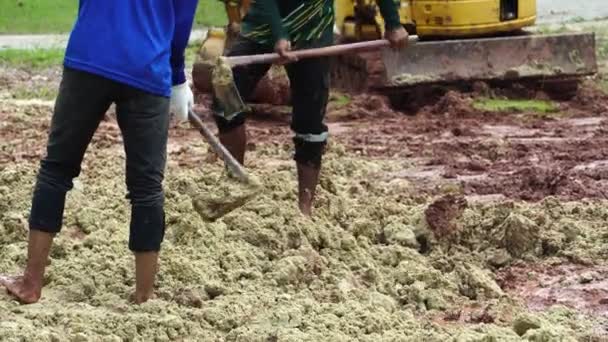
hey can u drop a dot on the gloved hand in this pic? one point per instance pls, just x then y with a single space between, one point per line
182 100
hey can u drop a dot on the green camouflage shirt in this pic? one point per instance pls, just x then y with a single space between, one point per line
303 22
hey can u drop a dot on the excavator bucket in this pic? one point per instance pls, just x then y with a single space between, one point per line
504 58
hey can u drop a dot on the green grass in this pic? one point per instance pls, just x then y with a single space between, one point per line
37 16
210 13
57 16
191 51
546 29
340 99
496 105
601 35
600 30
602 83
31 59
43 58
578 20
41 92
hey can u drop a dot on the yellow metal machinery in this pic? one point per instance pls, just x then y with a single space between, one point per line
360 19
459 41
437 18
216 41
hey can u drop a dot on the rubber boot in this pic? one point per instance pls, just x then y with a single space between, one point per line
308 178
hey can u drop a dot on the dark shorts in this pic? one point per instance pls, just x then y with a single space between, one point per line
309 82
143 118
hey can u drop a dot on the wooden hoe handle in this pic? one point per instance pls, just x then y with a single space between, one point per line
217 146
269 58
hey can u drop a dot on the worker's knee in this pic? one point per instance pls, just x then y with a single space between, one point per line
47 208
310 151
53 182
147 229
145 189
145 175
146 194
147 214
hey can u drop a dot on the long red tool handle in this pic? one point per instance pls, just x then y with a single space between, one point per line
268 58
217 146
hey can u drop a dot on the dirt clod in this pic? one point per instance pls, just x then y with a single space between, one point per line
525 322
521 235
442 213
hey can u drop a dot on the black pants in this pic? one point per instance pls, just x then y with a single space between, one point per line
144 121
309 82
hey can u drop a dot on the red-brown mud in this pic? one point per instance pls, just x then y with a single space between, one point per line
540 286
525 156
440 215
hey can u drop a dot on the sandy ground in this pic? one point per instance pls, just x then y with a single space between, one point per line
453 224
445 224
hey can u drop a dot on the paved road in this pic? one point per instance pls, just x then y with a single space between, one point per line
549 11
46 41
555 11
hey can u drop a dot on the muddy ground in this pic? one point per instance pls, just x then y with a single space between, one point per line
523 155
449 223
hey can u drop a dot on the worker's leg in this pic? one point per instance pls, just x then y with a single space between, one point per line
144 121
81 103
309 80
232 128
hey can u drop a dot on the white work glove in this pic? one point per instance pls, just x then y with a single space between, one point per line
182 100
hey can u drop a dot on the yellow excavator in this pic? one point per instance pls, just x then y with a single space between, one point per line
459 41
360 20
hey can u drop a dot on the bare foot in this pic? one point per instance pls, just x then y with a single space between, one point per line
306 210
139 298
24 291
305 203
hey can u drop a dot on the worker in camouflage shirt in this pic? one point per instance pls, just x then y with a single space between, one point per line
280 25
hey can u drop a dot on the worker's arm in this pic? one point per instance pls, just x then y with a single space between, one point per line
269 10
395 32
182 98
271 15
390 13
233 11
184 16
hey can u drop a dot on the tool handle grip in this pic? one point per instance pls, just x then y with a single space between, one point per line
217 146
268 58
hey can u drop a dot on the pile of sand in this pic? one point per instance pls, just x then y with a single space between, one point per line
368 267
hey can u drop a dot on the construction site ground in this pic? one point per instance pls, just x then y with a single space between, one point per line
481 216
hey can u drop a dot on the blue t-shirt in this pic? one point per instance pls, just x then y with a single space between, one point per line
137 42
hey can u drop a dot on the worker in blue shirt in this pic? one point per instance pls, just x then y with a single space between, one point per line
130 53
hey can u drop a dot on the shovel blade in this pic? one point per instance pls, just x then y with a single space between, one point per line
230 99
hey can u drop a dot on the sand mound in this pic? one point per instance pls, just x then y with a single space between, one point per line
366 268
